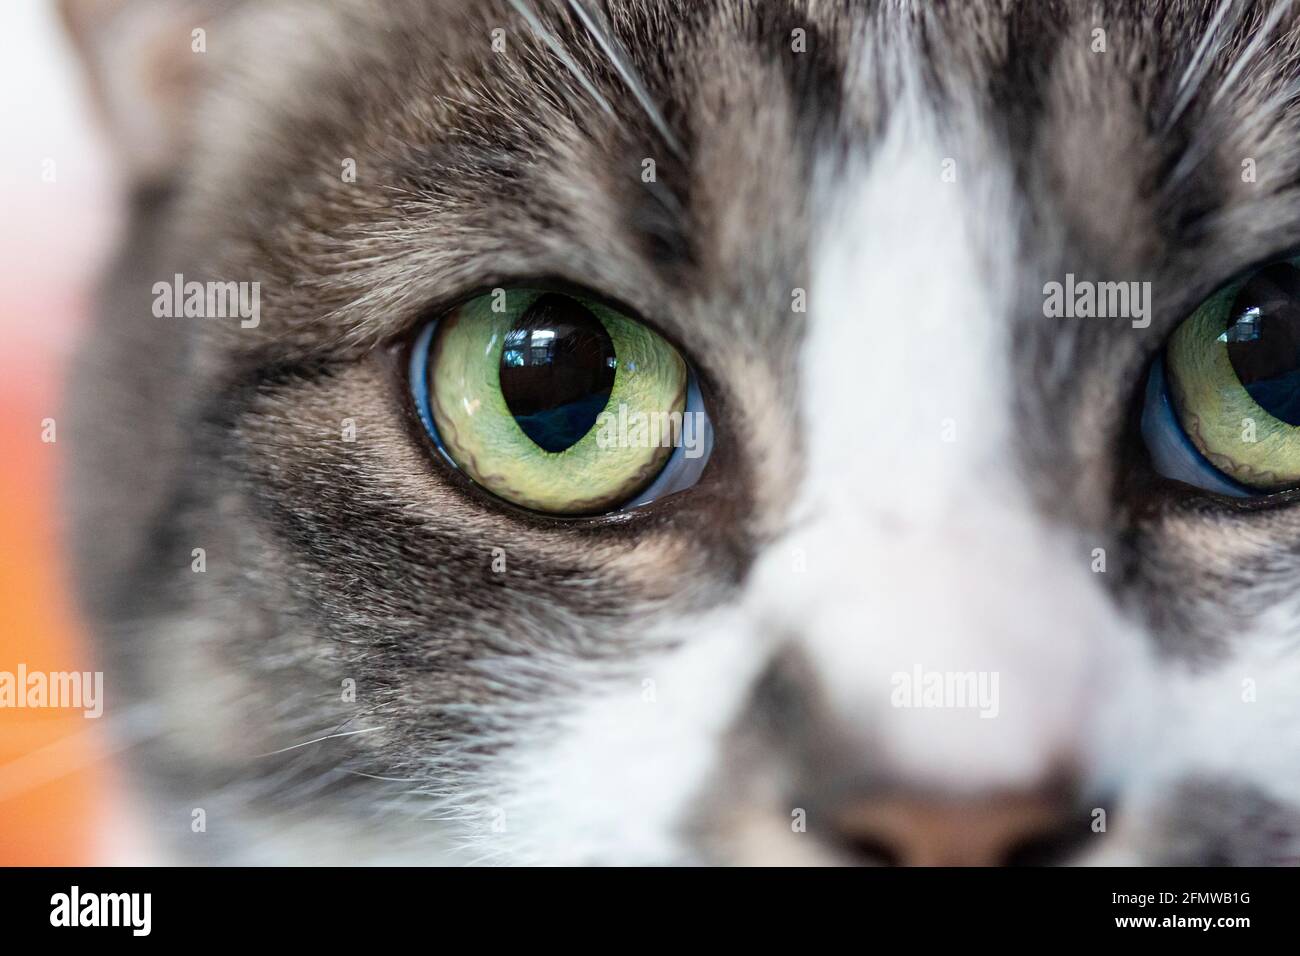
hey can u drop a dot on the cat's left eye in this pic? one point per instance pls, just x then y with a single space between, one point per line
558 403
1222 408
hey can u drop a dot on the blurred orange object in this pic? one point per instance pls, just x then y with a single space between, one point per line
52 790
56 802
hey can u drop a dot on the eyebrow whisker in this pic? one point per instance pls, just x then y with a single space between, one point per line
622 64
1198 67
549 38
1252 50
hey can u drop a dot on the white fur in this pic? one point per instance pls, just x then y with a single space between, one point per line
906 548
611 781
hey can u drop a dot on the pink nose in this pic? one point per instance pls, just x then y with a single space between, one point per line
993 831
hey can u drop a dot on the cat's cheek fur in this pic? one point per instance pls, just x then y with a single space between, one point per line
612 780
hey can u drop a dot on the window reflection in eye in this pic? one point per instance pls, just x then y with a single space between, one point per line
513 354
558 377
1263 341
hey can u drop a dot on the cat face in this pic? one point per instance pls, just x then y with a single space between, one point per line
929 599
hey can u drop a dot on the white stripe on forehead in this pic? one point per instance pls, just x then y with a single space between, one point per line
907 351
923 546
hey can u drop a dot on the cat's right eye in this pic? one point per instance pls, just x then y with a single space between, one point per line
558 403
1222 408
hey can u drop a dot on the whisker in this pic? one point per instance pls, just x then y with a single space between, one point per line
1251 51
1198 67
375 776
308 743
622 64
1204 144
549 38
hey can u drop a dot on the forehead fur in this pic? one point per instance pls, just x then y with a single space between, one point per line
478 165
532 155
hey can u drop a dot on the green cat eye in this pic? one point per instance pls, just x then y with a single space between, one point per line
1233 371
552 401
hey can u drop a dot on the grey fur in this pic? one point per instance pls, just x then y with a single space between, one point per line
329 560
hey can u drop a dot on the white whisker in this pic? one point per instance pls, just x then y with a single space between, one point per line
549 38
619 59
1198 67
1251 51
308 743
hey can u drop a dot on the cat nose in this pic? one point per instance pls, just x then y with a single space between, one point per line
1002 830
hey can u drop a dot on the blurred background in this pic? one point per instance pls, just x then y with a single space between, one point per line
59 803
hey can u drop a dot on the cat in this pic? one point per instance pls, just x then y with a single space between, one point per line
929 601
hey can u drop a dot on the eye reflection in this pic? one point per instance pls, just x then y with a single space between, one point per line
1264 340
557 371
1223 402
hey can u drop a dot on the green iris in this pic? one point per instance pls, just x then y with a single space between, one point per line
1234 377
526 389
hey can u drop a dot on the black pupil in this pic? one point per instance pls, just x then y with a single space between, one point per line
1263 338
557 370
